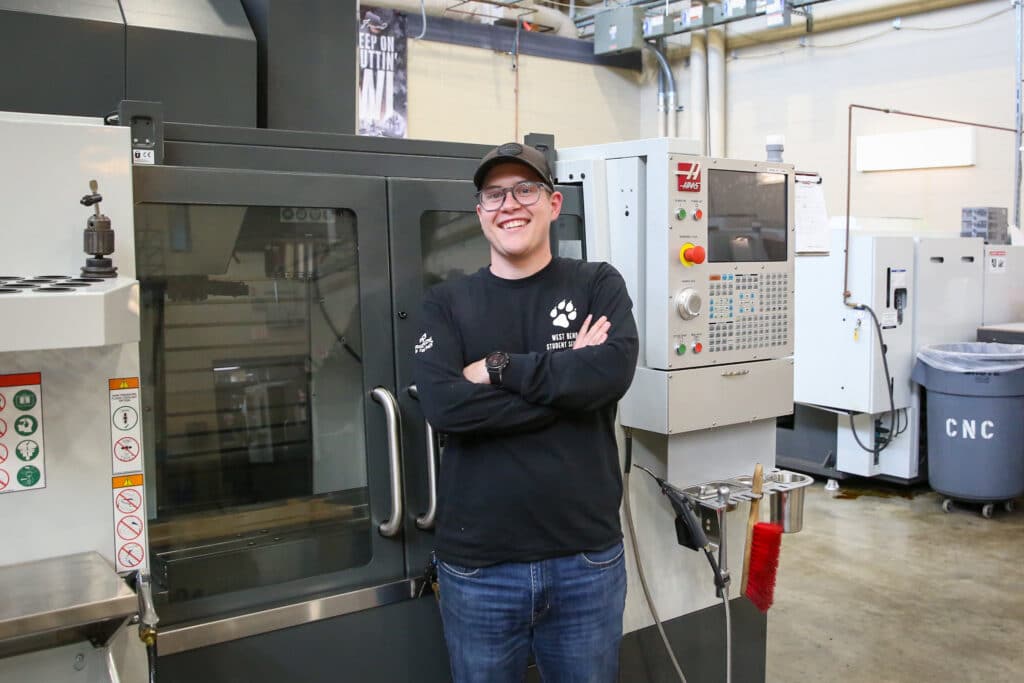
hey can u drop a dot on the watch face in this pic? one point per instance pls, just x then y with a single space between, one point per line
496 360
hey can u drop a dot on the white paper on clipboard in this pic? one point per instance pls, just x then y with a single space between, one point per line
811 220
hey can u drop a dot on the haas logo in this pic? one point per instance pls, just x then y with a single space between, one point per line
688 176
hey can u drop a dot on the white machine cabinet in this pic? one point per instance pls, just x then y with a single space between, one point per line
924 290
836 346
71 452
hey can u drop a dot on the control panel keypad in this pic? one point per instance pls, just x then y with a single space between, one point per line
748 311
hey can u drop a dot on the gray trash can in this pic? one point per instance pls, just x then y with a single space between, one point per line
975 419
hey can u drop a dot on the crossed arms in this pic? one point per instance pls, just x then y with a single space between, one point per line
537 388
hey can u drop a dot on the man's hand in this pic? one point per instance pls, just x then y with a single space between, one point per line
592 336
477 372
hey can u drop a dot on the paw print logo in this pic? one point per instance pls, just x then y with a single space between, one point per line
563 313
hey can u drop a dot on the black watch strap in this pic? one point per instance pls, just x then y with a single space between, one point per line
496 362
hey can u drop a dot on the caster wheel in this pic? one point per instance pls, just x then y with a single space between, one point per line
947 505
1009 506
986 510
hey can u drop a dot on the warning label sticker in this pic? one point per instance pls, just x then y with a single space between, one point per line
22 455
127 484
995 261
125 426
129 498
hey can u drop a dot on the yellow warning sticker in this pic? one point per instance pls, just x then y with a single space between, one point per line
126 480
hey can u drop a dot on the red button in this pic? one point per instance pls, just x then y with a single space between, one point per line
698 347
698 214
694 254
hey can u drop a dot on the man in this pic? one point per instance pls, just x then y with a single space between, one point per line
522 364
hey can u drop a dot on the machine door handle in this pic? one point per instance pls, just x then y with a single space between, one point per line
387 401
426 520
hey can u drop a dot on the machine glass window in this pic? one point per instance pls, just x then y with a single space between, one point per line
746 216
453 244
251 348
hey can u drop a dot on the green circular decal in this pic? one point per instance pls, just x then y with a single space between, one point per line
26 425
28 476
27 450
25 400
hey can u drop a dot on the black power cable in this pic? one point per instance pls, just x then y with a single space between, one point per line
888 385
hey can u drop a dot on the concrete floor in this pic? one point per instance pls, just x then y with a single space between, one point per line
882 586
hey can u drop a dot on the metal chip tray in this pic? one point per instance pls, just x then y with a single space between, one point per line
61 600
775 482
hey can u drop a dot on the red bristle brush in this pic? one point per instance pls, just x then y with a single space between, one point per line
761 556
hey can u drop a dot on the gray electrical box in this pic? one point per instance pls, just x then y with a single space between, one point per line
618 30
985 221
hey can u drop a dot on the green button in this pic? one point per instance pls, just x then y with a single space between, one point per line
680 349
681 214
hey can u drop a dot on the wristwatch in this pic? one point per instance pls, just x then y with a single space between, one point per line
496 362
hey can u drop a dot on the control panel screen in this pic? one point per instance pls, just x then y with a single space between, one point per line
746 216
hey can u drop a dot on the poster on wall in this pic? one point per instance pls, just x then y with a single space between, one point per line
383 85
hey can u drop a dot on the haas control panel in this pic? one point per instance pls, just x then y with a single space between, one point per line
705 246
729 267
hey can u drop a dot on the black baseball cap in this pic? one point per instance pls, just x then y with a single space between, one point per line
515 153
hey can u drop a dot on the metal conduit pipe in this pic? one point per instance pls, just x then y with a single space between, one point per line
699 90
716 91
1018 122
560 22
670 84
661 103
671 114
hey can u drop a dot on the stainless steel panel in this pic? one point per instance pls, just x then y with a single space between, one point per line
61 593
192 636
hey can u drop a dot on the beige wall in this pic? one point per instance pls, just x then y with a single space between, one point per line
803 94
467 94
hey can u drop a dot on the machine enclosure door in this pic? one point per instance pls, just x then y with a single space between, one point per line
266 325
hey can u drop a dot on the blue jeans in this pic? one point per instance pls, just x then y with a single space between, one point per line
567 611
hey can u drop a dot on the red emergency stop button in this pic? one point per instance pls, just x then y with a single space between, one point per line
698 347
694 254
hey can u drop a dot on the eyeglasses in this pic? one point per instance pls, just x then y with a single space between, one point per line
526 192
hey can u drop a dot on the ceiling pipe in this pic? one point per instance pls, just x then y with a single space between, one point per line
670 90
661 103
1018 121
716 91
560 23
699 90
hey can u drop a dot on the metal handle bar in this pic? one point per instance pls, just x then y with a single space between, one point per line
387 401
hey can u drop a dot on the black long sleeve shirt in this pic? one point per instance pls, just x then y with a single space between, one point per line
531 469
